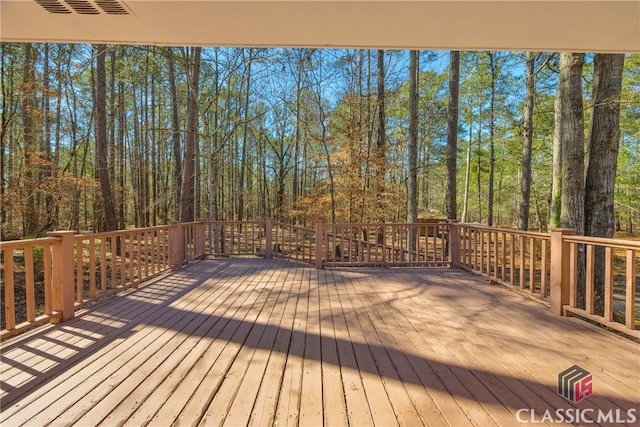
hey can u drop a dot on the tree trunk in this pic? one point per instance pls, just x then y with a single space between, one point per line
30 123
412 216
492 126
572 138
452 135
527 143
175 134
122 118
604 139
213 152
50 201
381 149
187 213
102 166
467 172
245 142
556 168
296 151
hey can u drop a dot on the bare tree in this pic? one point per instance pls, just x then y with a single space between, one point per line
102 166
527 142
30 116
412 216
452 134
381 149
245 140
187 194
467 171
493 67
175 128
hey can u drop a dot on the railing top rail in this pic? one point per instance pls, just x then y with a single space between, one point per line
14 244
604 241
119 232
544 236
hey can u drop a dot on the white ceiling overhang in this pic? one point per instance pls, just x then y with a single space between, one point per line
537 25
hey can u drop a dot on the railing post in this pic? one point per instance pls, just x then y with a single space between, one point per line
175 245
62 282
560 267
454 243
268 234
319 245
200 229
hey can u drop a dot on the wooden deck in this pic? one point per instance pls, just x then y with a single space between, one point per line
267 342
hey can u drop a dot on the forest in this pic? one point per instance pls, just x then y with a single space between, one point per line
100 137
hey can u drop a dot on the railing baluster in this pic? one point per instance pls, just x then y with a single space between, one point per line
630 300
488 255
30 284
503 267
9 295
157 238
436 233
522 261
121 245
477 250
532 264
114 260
48 290
165 247
103 265
148 253
153 252
79 271
131 253
608 284
589 283
512 259
464 235
573 283
139 255
544 283
481 266
92 267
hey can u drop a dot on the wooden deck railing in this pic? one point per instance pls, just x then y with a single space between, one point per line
615 263
518 259
291 242
235 238
63 272
386 244
107 263
22 259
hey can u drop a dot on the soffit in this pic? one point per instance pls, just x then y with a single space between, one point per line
537 25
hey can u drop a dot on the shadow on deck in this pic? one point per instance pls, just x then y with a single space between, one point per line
269 342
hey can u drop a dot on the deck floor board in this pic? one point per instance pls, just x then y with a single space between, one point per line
268 342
